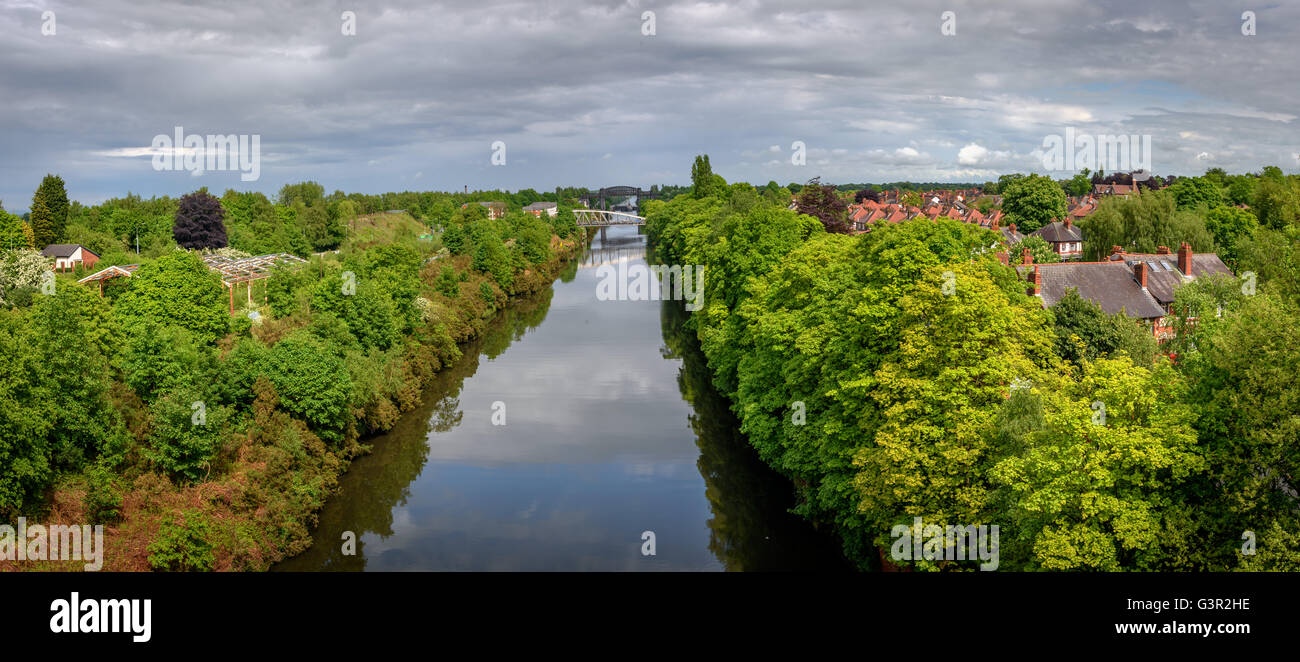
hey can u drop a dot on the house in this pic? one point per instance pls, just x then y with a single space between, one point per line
1115 189
68 256
1142 285
1009 234
494 209
538 208
1065 238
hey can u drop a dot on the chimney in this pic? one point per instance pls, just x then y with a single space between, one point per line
1140 273
1068 223
1162 250
1116 250
1026 257
1036 280
1013 228
1185 259
995 224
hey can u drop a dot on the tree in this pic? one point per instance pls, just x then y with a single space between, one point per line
1141 224
1082 332
187 427
1078 185
1032 202
1244 389
313 384
703 181
1098 484
199 222
824 203
1193 192
55 196
177 288
1039 250
21 273
11 232
1275 203
1229 225
42 222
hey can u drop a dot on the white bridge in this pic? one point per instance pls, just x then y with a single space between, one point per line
600 217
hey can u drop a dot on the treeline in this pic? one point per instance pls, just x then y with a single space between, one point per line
300 219
906 373
209 441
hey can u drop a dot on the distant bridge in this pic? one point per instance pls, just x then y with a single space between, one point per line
597 198
600 218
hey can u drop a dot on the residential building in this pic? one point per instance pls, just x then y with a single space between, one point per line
539 208
68 256
1065 238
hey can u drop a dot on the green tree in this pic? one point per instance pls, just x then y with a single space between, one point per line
1275 203
1032 202
11 232
1098 484
179 289
313 384
1039 250
1229 225
55 196
42 222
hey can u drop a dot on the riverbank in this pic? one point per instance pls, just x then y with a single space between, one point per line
610 429
272 470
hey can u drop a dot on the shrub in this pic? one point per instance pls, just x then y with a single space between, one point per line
183 546
187 428
313 383
103 497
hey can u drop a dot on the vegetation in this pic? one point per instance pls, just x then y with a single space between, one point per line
905 373
213 439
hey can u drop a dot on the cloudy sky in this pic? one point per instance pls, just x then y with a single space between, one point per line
580 95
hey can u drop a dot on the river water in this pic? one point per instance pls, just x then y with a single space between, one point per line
611 429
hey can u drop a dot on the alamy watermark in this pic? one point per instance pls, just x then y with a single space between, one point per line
1073 152
656 282
946 543
56 542
198 154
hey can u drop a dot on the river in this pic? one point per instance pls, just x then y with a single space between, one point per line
570 428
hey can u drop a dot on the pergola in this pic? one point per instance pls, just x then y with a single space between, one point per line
233 271
247 269
108 274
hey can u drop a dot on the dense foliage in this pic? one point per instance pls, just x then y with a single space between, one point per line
212 439
906 373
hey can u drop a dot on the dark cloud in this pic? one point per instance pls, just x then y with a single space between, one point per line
580 96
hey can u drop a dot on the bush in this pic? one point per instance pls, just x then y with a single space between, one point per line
103 497
187 428
183 546
313 384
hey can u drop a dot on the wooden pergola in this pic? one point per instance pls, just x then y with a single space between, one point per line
247 269
233 271
109 274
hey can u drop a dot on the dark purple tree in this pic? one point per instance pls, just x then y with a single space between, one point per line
824 204
199 222
866 194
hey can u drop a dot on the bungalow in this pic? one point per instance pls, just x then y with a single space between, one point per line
538 208
68 256
1065 238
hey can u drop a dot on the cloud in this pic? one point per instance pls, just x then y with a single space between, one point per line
875 92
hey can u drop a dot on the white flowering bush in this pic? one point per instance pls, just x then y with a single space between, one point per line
19 269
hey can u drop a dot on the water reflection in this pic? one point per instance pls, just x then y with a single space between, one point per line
611 429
